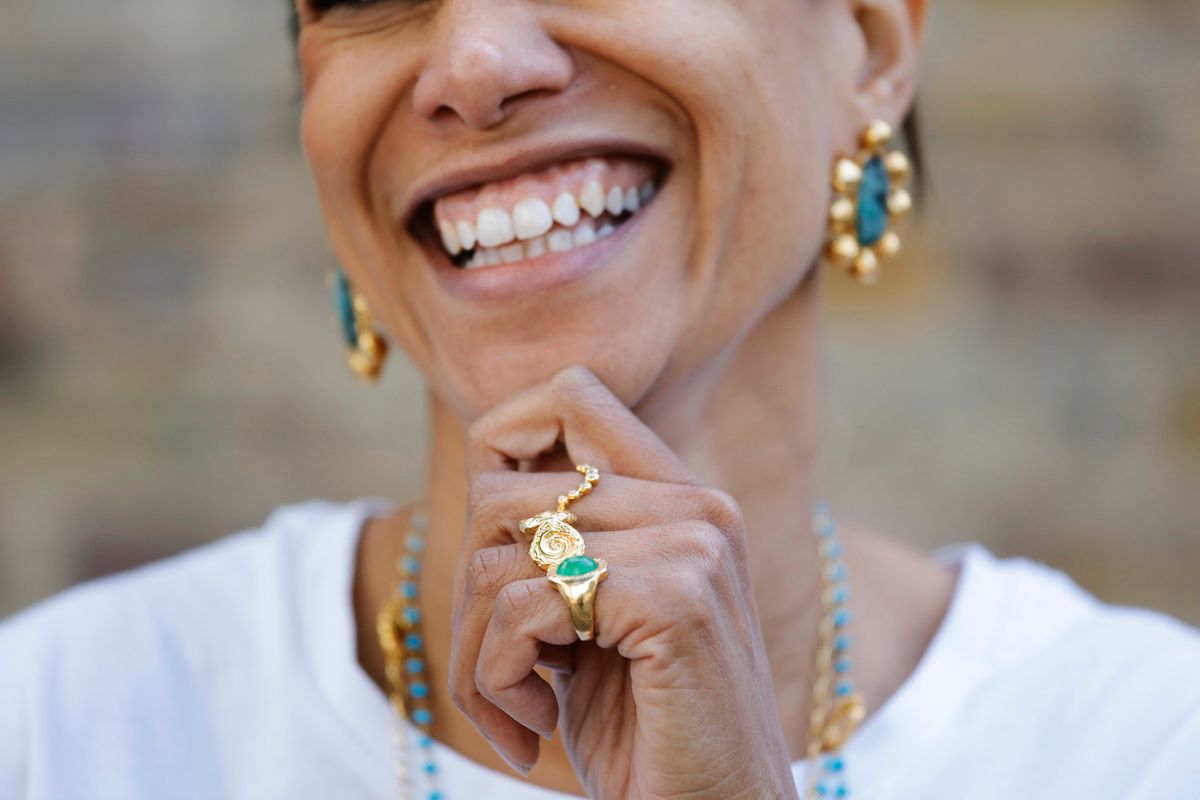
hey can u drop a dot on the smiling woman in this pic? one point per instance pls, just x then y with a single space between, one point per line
596 230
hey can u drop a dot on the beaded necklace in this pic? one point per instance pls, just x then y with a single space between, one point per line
837 708
399 628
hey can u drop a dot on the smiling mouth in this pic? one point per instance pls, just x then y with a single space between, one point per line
557 209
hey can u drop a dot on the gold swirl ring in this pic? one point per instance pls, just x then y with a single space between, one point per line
554 538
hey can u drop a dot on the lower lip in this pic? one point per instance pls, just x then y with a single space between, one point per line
501 282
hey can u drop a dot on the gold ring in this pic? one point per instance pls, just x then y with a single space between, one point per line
576 579
554 538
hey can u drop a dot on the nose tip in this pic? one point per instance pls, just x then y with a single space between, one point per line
484 59
464 91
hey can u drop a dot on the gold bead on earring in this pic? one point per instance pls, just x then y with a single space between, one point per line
366 349
868 197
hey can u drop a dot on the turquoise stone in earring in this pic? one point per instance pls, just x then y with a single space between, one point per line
344 303
872 219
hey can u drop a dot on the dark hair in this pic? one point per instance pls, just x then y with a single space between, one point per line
910 128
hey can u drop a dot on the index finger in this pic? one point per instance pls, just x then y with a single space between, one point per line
574 408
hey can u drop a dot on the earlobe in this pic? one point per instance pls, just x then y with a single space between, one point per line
892 33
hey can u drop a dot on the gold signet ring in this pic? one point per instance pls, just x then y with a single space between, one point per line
576 579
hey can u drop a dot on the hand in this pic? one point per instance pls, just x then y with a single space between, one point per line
673 699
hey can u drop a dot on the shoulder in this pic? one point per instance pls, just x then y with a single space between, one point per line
174 646
238 568
1041 612
1102 681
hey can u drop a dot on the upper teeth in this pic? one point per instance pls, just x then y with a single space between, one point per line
615 201
466 237
494 227
531 218
591 199
542 226
566 209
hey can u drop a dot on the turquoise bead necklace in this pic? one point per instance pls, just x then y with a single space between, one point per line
399 626
837 706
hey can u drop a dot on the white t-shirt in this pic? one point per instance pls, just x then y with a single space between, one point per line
230 672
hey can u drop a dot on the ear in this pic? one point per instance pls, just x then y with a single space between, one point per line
892 32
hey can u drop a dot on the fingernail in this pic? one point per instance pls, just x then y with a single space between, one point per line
517 767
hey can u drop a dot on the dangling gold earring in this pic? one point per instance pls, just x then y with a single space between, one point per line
868 197
366 349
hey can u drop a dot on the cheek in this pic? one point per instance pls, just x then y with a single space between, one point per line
751 79
350 94
330 133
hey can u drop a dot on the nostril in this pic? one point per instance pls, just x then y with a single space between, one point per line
475 116
508 106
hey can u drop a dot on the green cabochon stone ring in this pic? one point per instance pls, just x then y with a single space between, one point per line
576 578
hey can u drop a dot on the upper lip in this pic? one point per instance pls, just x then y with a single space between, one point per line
526 159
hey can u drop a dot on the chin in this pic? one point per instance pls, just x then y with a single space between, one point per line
628 356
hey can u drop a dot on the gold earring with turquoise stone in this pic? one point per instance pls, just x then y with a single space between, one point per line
366 348
868 197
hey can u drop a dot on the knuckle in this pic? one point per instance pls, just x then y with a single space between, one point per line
486 567
577 388
719 510
573 378
482 681
710 546
478 431
722 510
490 496
689 595
670 614
482 486
484 490
461 692
513 601
462 700
482 686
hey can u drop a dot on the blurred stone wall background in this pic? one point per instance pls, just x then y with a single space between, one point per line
1029 376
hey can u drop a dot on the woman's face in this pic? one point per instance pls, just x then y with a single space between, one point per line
642 179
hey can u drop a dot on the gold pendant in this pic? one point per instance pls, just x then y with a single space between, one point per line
844 718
